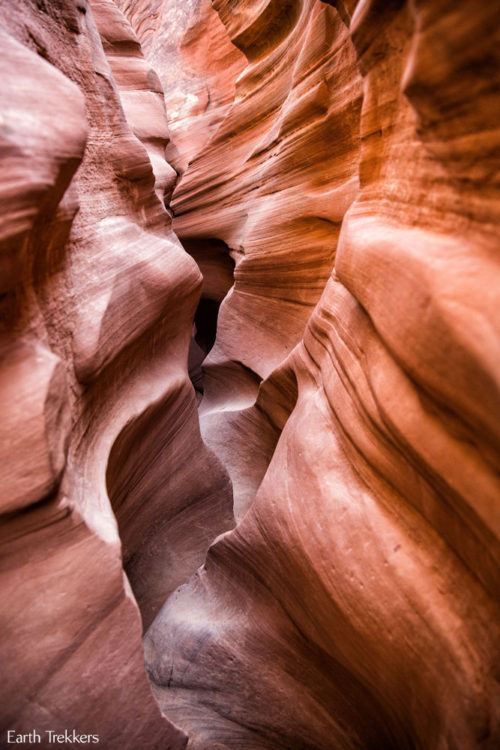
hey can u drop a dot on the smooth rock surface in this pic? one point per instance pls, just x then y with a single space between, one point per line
354 181
333 177
97 307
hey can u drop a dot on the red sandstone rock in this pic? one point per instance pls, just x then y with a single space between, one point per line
339 163
361 585
97 309
189 48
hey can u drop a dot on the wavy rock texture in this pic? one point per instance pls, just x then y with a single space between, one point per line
339 191
188 46
98 414
352 391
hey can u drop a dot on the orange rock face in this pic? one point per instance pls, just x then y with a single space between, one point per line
349 183
97 304
331 170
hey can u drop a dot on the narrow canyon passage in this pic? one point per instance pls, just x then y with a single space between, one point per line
250 374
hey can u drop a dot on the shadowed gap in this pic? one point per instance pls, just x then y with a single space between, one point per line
217 267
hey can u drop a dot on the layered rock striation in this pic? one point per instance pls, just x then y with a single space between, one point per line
99 438
332 171
352 391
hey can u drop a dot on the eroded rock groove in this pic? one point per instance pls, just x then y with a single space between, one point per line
249 358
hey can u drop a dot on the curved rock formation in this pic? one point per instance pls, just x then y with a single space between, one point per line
189 48
361 583
98 300
338 189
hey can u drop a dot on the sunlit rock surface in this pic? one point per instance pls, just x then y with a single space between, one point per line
354 183
189 47
97 303
332 171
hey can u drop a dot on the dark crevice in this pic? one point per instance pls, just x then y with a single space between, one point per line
205 322
217 268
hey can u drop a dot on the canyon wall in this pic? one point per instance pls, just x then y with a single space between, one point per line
331 170
352 390
102 460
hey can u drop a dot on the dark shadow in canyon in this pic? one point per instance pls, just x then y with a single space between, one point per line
217 268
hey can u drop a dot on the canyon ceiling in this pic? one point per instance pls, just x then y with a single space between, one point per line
250 373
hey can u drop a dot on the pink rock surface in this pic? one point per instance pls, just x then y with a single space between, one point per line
35 423
189 48
349 182
97 308
338 190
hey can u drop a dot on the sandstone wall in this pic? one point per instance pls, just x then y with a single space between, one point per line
97 303
352 391
338 189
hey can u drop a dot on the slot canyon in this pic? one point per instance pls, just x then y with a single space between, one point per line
250 374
